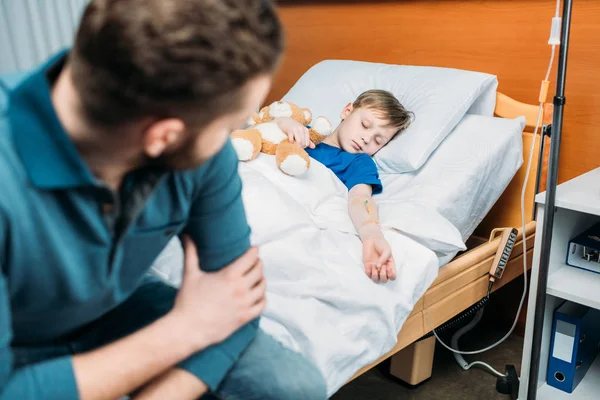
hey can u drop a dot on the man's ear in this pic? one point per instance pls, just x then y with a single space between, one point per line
162 134
346 111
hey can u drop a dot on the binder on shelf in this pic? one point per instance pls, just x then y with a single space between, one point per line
574 346
584 250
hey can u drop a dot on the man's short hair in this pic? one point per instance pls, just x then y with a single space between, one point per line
388 105
188 59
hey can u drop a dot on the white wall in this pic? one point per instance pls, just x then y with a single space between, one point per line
32 30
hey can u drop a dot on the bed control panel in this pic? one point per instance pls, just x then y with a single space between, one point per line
507 242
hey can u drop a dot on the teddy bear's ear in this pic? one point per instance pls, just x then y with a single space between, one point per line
320 129
280 109
322 125
307 116
253 120
263 111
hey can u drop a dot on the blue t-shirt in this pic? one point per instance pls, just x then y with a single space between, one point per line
351 169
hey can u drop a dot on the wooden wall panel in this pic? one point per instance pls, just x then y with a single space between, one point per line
506 38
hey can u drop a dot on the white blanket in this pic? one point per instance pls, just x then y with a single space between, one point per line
320 302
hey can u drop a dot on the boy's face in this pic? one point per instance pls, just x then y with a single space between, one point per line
363 130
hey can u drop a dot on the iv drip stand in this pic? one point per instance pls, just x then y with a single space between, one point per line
557 120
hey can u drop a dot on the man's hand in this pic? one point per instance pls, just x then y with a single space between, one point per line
296 132
208 308
378 260
211 306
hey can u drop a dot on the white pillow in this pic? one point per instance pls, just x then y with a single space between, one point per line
439 98
466 174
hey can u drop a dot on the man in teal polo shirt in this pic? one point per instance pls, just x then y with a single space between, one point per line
106 152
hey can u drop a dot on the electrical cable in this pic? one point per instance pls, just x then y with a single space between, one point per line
459 359
459 319
553 41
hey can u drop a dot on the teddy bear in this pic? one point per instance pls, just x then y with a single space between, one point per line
264 135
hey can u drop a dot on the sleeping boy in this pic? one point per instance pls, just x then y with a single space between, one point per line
368 124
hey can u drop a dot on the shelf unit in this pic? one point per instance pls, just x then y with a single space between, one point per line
577 207
587 389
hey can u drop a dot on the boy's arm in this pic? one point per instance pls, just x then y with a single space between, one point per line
377 254
363 212
297 133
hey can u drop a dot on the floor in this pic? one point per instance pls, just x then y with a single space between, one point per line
449 381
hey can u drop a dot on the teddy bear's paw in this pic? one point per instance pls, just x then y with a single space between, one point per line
243 148
291 159
294 165
247 143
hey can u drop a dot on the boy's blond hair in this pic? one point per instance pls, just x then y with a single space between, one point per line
388 105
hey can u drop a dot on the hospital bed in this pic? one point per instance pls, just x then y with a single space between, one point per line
508 40
320 302
349 327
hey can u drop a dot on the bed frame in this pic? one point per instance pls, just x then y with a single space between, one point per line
450 33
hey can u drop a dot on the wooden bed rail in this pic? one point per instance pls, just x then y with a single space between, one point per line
507 210
507 107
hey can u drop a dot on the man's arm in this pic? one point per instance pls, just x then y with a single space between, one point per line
119 368
107 373
219 228
217 222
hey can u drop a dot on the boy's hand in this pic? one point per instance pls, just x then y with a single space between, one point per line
296 132
378 260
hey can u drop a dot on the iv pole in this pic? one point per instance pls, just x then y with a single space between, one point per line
557 120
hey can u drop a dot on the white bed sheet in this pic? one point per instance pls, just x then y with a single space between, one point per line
319 300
